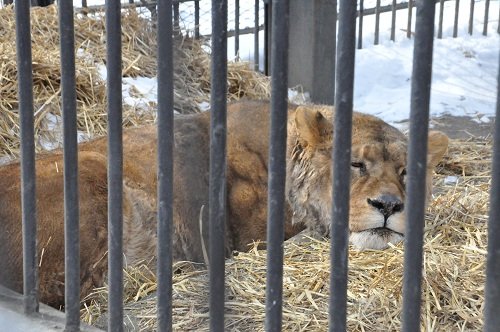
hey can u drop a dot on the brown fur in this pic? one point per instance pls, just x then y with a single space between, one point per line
310 133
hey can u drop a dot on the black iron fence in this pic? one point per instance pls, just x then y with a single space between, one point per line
420 95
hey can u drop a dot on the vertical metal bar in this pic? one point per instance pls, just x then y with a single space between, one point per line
165 164
84 3
217 195
130 1
492 290
197 19
256 55
267 36
486 14
417 161
377 22
70 149
177 29
236 27
360 28
441 13
393 21
334 45
339 230
455 24
498 25
410 11
28 199
277 165
471 16
115 166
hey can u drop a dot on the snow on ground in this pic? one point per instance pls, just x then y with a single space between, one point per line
464 68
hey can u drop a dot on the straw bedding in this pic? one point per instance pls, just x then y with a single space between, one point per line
453 271
139 46
455 234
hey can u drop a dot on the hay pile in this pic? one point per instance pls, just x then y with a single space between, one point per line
453 275
192 74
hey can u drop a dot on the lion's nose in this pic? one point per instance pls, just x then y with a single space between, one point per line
387 205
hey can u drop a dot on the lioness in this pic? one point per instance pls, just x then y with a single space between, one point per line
377 191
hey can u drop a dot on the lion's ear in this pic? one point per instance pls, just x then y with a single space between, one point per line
437 146
312 127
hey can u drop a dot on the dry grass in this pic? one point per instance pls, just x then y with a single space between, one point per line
191 82
453 274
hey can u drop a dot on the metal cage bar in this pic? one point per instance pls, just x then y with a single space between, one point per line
256 56
410 13
393 20
28 185
236 27
417 161
267 36
492 289
197 19
277 164
339 230
217 180
441 13
455 22
360 24
377 22
471 16
165 164
115 165
177 27
70 148
486 16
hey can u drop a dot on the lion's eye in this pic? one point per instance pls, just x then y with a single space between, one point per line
402 174
359 165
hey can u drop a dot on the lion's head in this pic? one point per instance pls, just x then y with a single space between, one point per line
378 175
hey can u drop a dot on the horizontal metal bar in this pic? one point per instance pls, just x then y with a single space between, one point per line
148 4
70 148
165 164
277 165
417 161
339 230
217 178
115 165
28 198
244 31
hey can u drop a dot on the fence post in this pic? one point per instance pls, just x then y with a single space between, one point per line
312 48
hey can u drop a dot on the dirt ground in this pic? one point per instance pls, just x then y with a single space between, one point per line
458 127
461 127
